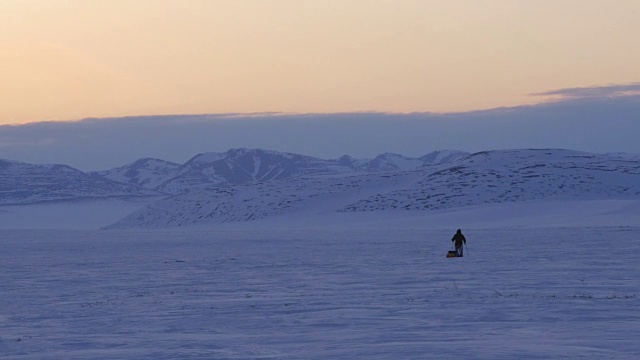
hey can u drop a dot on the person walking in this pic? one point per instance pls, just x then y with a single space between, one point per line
459 240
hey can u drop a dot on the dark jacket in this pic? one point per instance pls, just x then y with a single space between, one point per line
459 238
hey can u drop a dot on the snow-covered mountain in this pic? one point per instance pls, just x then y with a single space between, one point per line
242 166
515 175
25 183
246 184
148 173
443 157
22 183
481 178
396 162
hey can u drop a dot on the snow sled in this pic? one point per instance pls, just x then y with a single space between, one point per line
452 253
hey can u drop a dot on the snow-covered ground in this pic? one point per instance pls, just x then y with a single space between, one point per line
77 214
542 280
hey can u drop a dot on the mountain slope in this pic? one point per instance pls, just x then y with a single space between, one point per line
443 157
482 178
148 173
396 162
262 200
22 183
515 175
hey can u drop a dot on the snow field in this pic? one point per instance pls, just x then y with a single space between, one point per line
320 294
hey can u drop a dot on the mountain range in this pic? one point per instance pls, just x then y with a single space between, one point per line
476 179
249 184
243 166
22 183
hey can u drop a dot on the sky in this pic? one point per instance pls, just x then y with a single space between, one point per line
73 59
602 120
99 83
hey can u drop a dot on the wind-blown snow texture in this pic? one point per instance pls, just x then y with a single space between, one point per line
481 178
360 294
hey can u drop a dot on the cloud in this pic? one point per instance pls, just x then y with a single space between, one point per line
595 92
599 119
7 142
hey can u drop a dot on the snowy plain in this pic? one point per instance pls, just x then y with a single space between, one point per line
539 280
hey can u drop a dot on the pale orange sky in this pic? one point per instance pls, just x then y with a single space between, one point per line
96 58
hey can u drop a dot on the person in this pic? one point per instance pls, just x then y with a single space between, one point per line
459 241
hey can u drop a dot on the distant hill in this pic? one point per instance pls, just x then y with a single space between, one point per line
22 183
148 173
396 162
515 175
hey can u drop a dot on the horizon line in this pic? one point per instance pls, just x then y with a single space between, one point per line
552 97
